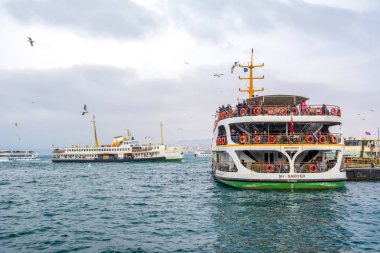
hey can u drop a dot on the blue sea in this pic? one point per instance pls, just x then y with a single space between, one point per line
175 207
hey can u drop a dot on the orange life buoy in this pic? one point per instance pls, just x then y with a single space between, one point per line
309 139
243 139
313 168
295 110
318 111
322 139
333 111
333 139
242 111
306 111
282 111
271 139
256 111
269 168
257 139
271 110
217 141
339 113
233 112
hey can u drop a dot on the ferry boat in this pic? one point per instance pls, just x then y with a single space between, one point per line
362 152
278 142
123 149
18 155
203 153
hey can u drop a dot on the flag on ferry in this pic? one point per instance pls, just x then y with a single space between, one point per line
291 123
245 69
367 133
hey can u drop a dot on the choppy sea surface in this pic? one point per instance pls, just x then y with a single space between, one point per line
175 207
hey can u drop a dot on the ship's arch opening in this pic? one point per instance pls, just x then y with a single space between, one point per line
222 161
316 161
264 161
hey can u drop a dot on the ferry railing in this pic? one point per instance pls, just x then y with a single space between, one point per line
296 138
361 162
278 110
314 167
262 167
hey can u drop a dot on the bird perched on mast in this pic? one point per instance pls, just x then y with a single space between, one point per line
30 41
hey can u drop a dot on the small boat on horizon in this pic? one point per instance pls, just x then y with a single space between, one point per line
202 153
18 155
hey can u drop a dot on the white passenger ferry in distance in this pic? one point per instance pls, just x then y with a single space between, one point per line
202 153
278 142
123 149
18 155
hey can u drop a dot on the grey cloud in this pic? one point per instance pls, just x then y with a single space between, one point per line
112 18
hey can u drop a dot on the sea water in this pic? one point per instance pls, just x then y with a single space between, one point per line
174 207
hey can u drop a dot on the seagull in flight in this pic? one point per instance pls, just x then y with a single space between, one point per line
218 75
372 110
30 41
233 66
19 138
84 110
185 62
16 124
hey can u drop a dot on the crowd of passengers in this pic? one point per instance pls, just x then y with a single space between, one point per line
249 109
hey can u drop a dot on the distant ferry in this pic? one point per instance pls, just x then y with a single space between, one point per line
14 155
123 149
202 154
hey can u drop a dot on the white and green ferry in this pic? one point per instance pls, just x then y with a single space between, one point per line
278 142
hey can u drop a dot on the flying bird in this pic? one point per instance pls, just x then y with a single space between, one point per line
185 62
19 138
84 110
30 41
372 110
218 75
16 124
233 66
363 118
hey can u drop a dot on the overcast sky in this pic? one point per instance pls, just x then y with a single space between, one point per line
126 61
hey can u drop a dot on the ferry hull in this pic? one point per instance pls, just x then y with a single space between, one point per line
158 159
280 185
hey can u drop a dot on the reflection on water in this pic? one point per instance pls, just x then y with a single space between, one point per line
281 221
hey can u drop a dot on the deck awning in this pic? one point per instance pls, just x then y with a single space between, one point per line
277 100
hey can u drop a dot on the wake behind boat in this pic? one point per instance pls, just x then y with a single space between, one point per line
123 149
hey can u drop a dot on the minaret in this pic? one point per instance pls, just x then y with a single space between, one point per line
251 66
96 136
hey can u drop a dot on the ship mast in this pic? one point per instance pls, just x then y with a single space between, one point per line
162 136
96 136
251 66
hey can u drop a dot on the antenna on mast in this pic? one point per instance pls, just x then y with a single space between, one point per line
251 66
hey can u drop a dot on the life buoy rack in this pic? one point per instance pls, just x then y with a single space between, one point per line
269 168
282 111
313 168
256 111
333 139
271 110
224 139
243 139
322 139
333 111
257 139
242 111
309 139
339 113
318 111
295 110
271 139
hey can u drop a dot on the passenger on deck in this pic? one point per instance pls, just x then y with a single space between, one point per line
325 111
243 163
265 136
